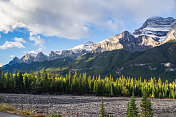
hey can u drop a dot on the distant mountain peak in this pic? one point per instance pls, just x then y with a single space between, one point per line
88 42
40 57
159 18
155 31
156 27
27 58
86 46
15 60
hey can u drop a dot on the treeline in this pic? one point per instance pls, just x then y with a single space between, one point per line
72 83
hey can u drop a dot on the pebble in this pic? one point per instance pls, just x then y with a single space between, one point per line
83 106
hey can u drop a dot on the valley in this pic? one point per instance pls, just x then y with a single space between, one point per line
87 58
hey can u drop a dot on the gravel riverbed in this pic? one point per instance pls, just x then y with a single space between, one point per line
83 106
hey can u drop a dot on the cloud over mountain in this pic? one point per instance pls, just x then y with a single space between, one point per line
73 19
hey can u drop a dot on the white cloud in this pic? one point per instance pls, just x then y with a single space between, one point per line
12 56
1 64
36 39
35 52
16 43
32 52
19 40
73 18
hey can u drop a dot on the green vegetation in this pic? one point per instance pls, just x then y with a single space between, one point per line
55 115
146 106
73 83
11 109
144 64
131 108
6 108
102 111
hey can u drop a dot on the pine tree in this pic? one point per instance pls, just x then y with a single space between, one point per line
45 83
19 81
102 112
146 106
132 109
128 114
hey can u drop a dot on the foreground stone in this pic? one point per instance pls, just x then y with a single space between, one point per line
87 106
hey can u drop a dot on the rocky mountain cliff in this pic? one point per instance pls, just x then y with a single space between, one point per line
41 57
154 32
155 27
126 41
171 34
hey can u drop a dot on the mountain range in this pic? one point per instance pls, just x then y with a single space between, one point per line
116 55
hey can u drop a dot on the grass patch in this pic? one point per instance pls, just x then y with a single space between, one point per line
11 109
55 115
6 108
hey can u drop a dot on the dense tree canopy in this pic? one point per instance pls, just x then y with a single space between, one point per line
74 83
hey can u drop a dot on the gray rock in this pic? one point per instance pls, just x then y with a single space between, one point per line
84 106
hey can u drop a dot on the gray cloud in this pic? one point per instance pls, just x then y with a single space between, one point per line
73 18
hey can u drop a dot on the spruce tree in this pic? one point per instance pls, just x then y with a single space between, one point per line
132 109
146 106
128 114
102 111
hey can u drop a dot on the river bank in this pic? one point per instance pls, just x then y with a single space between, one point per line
83 105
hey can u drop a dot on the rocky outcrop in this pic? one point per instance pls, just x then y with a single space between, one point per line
53 55
27 58
155 27
41 57
171 34
125 41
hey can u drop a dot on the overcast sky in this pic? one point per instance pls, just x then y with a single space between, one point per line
45 25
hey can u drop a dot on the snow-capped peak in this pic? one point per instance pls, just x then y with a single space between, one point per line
155 27
86 46
33 54
105 40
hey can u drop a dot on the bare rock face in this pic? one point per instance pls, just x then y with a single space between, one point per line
125 41
156 27
113 43
154 32
53 56
27 58
40 57
171 34
144 42
101 46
